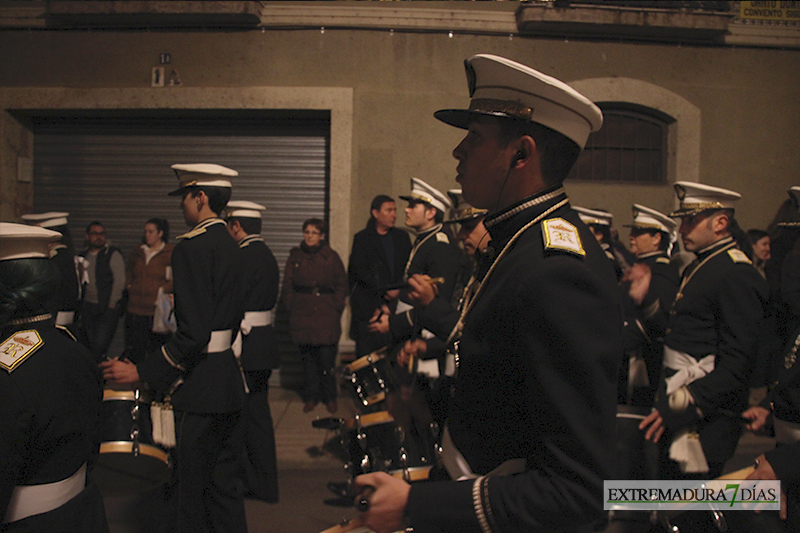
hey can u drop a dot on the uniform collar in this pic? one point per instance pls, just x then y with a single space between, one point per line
504 224
648 255
713 247
250 239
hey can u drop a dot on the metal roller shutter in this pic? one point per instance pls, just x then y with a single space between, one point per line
117 170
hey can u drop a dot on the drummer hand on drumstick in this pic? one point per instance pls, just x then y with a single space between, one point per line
654 425
379 323
422 289
121 372
410 350
764 471
639 276
757 416
385 501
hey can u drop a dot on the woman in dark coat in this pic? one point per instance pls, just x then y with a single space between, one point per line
314 290
50 399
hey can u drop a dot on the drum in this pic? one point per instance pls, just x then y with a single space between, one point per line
375 442
370 442
370 378
129 460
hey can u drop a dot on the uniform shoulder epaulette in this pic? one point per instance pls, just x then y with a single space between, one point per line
442 237
663 260
562 236
194 233
66 332
739 256
19 347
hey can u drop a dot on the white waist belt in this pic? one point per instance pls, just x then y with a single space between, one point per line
458 468
219 341
65 318
786 432
29 500
255 319
688 368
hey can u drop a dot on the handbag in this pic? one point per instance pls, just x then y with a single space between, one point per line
164 316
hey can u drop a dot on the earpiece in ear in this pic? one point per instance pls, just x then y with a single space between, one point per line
519 156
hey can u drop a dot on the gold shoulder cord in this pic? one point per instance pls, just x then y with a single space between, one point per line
468 305
685 280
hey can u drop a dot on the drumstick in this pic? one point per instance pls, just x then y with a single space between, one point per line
405 285
345 526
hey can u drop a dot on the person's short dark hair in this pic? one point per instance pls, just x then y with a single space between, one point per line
604 230
663 245
94 223
27 287
218 197
756 235
378 202
162 225
317 223
558 152
250 225
439 216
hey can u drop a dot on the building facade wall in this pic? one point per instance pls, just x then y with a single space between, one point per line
741 131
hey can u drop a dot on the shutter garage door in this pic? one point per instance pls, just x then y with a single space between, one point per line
116 169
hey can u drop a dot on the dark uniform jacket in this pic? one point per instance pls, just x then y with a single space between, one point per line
433 254
719 311
783 400
538 362
369 270
646 324
209 296
49 414
259 347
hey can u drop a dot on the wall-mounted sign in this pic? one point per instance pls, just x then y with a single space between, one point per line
777 10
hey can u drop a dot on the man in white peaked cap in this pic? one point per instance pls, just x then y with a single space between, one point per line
600 223
196 371
530 434
64 257
432 254
711 340
50 398
256 346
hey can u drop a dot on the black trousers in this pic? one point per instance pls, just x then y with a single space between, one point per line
201 496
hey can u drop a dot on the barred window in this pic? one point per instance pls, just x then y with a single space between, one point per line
631 147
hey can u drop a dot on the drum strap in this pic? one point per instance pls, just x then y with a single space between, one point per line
786 432
65 318
458 468
29 500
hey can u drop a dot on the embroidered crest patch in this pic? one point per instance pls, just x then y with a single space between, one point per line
442 237
18 347
739 256
561 235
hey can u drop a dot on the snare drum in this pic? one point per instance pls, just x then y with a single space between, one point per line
129 460
370 377
370 441
376 443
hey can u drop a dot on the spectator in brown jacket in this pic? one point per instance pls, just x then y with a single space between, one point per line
147 269
314 290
